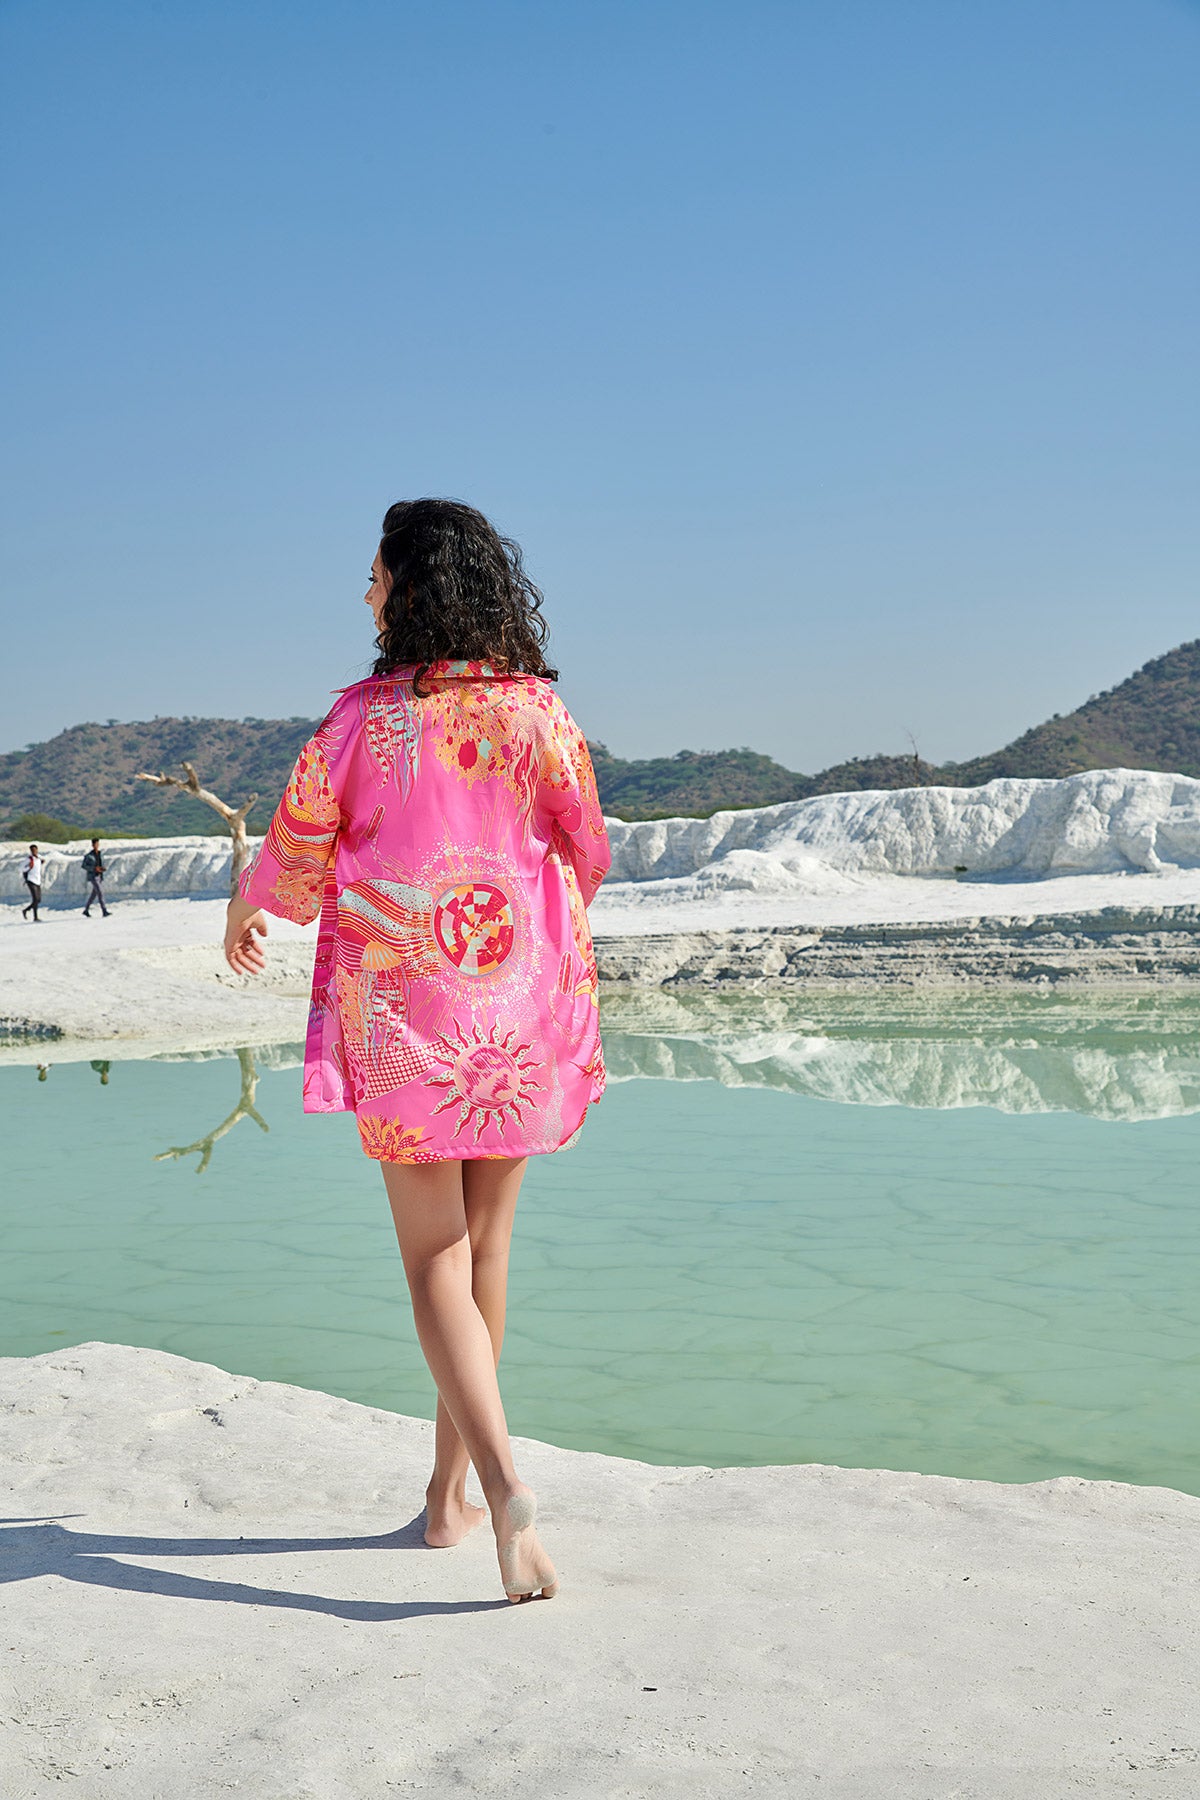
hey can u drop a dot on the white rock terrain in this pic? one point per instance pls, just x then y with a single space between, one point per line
1101 822
911 853
218 1585
682 905
152 973
1104 822
151 978
169 868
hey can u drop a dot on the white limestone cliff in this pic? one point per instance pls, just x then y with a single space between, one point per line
176 868
1108 821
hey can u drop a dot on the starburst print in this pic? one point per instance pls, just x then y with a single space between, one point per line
487 1075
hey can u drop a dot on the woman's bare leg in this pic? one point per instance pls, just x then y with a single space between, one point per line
490 1192
429 1210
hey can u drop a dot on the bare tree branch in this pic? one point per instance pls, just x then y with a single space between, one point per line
243 1110
918 779
234 818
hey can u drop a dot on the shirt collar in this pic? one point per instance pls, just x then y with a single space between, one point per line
446 669
456 669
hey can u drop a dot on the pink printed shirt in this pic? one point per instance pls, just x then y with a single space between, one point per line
450 845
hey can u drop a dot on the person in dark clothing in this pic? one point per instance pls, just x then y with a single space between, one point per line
31 874
93 868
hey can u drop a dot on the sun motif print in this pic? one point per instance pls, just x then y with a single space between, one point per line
450 844
487 1078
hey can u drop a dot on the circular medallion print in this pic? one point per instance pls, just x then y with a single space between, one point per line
473 927
488 1076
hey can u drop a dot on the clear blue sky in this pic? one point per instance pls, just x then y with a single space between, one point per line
834 360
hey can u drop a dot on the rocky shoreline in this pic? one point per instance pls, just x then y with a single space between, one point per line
1111 947
68 983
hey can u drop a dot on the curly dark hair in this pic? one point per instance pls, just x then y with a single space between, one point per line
456 588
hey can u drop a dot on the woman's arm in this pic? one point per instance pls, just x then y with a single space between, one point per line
287 876
243 952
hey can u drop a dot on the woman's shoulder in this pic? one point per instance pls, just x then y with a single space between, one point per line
540 706
352 701
534 690
553 705
344 716
349 694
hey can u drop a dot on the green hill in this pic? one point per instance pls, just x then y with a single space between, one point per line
691 781
694 781
1151 721
86 776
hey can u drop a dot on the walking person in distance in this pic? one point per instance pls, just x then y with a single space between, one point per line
31 874
93 868
444 824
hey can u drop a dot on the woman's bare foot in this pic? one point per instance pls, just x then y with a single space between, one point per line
524 1566
448 1518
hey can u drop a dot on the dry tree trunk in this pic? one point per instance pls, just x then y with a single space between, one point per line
918 778
236 820
245 1109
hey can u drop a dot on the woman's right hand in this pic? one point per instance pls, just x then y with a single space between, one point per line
244 925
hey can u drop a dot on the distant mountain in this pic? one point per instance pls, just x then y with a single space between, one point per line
691 781
86 775
1151 721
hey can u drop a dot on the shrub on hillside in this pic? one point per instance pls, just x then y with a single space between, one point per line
40 828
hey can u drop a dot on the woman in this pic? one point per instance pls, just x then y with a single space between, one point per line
444 823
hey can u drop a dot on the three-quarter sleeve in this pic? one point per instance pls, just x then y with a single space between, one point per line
287 876
571 797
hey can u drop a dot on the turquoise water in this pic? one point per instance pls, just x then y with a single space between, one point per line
782 1238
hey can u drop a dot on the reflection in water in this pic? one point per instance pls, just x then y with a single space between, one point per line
1111 1057
1107 1056
245 1109
101 1068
